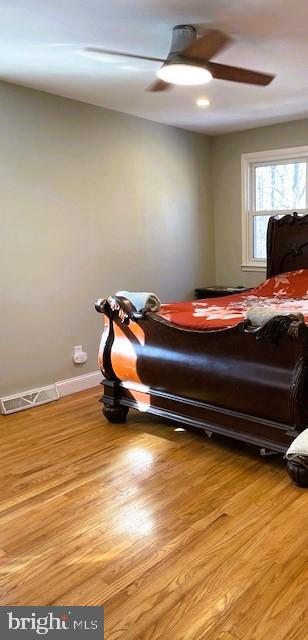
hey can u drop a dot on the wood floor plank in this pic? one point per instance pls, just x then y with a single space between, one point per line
178 536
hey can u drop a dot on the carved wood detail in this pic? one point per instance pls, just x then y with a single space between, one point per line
287 244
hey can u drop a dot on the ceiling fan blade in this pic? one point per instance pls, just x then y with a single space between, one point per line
159 85
211 43
236 74
98 50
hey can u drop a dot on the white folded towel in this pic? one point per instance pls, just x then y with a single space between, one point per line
298 450
141 300
260 314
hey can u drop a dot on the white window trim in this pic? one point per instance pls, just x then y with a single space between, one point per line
247 159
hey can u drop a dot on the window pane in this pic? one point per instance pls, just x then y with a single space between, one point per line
281 186
259 236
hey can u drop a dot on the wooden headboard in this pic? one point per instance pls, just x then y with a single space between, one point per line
287 244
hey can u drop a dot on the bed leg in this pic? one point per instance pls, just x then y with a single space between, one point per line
112 409
115 414
298 473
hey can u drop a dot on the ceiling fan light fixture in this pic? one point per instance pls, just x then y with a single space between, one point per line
185 74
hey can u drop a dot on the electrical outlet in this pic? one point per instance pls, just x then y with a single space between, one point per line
79 356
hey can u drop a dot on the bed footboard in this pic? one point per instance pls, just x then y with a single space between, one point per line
246 383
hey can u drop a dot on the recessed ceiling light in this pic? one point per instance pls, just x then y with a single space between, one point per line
203 102
178 73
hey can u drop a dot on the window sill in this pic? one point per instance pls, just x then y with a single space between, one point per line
253 267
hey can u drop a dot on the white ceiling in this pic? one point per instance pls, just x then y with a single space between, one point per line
40 43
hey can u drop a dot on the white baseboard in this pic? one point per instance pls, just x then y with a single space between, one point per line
79 383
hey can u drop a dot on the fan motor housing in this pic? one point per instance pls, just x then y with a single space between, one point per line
182 37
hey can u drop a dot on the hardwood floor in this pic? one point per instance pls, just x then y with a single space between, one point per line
178 536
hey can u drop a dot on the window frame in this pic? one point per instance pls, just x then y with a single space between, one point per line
248 162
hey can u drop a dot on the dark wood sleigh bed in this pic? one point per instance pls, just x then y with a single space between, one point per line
246 383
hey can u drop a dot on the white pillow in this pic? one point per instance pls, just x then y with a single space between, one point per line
260 314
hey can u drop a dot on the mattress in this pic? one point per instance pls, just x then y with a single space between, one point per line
286 292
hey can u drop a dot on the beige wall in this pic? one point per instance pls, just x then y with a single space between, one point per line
92 201
226 180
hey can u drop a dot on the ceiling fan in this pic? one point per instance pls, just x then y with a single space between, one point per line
189 60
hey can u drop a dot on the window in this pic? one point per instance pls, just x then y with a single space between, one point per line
273 183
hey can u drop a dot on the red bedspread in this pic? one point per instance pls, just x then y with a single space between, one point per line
285 292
